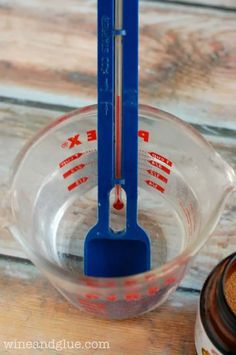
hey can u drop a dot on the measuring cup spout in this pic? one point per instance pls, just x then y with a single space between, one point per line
219 189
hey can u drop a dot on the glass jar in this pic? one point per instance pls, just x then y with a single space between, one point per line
215 331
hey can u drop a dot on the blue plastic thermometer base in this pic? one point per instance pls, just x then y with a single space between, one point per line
108 253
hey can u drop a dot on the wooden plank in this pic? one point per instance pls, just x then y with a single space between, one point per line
32 310
216 3
19 123
187 56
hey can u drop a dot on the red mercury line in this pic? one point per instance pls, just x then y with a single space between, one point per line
118 137
118 204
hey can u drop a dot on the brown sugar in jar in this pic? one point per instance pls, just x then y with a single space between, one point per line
215 331
230 290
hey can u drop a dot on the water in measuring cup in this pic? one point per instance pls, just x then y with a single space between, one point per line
64 222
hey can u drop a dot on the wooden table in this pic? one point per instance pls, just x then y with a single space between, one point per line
47 67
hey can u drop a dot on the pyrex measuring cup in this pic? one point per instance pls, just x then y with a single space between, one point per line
183 184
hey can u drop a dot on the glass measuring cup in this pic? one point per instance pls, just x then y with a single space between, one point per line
183 185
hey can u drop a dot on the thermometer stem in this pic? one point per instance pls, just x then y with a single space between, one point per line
118 101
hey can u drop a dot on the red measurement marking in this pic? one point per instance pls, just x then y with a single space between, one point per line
92 296
70 159
153 290
157 175
144 135
160 157
160 166
154 185
112 298
132 296
73 170
77 183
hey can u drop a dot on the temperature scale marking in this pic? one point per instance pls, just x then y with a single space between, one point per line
161 158
78 182
70 159
159 166
157 175
73 170
155 185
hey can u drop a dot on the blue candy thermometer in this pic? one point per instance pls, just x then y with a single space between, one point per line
108 253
